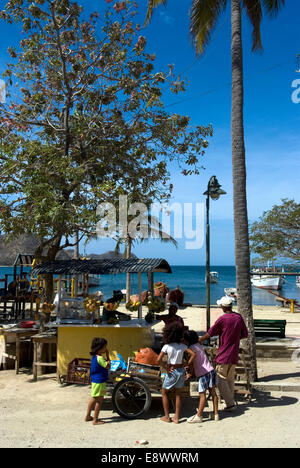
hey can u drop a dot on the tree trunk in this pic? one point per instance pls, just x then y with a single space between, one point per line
242 251
76 257
48 257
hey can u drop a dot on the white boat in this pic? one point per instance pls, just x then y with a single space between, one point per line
298 281
231 292
214 276
267 282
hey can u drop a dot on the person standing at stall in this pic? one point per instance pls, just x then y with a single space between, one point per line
174 349
172 316
230 328
206 375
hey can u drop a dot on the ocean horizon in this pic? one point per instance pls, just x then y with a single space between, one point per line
191 279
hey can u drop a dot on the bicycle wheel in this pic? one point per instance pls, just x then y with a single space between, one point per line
131 398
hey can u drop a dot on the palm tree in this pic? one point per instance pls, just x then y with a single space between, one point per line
154 228
204 15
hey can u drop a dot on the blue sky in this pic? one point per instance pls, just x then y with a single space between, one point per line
272 120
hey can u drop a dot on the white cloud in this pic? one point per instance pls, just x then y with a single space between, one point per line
166 18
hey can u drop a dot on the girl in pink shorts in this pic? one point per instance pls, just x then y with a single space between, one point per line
204 371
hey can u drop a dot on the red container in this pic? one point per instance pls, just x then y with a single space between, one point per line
27 324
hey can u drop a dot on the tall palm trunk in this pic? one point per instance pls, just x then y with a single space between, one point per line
242 251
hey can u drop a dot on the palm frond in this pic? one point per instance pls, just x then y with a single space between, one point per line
161 235
272 7
204 16
151 5
254 12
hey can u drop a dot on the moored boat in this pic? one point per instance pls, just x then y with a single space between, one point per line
231 292
214 276
298 281
267 282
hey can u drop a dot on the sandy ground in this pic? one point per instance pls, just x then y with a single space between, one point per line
46 414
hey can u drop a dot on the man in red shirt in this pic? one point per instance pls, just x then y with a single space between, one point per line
230 328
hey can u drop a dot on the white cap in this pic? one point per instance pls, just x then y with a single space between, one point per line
225 301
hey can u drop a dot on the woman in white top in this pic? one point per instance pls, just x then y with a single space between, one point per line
175 378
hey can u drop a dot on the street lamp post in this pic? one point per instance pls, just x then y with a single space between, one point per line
213 191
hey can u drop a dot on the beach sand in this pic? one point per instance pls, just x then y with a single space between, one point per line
46 414
195 317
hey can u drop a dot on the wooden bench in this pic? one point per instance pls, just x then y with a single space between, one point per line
271 328
17 336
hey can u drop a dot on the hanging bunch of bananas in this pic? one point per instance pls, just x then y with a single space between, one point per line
133 305
111 305
91 305
155 305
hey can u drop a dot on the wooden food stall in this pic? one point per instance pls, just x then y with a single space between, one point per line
15 291
75 318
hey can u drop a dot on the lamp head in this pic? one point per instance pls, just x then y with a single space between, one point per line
214 189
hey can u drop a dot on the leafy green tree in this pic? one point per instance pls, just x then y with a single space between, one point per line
277 232
84 118
204 17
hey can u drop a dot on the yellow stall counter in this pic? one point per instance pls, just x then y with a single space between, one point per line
74 341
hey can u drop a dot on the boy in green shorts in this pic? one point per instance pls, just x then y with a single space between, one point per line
99 377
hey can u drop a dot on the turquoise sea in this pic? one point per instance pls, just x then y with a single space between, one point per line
192 280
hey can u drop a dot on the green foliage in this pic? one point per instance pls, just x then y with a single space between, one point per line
277 233
84 120
205 15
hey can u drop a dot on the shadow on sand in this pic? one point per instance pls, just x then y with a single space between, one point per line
263 399
260 399
270 378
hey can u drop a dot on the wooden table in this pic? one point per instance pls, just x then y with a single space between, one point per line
16 335
40 340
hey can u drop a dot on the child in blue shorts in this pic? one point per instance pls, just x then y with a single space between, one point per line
175 377
99 377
